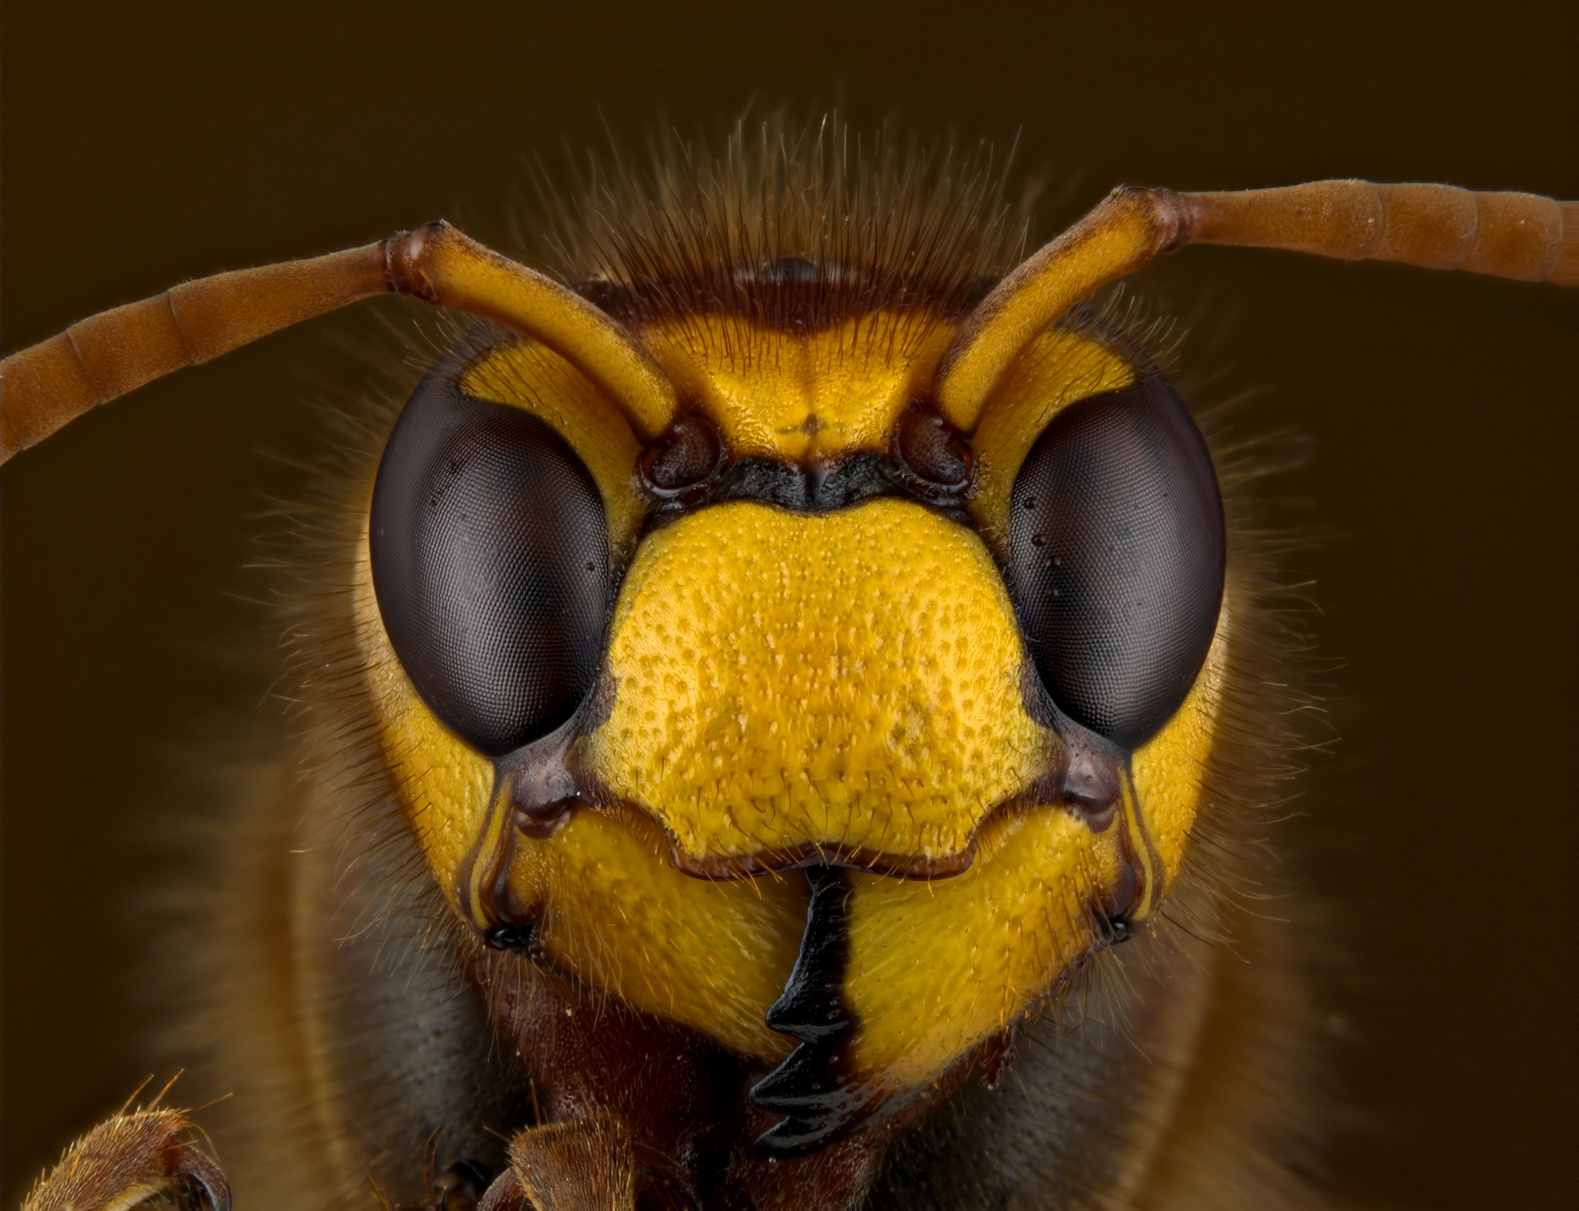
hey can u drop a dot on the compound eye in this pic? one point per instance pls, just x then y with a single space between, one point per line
490 562
1116 558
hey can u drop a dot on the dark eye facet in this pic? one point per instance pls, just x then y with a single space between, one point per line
490 562
1116 558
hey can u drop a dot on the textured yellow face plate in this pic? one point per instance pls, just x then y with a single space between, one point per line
849 681
936 967
619 916
615 912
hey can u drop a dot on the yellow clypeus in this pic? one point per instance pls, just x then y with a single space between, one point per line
846 681
847 685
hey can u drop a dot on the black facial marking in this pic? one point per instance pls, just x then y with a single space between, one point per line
817 488
813 489
813 1087
690 467
518 937
1117 552
490 561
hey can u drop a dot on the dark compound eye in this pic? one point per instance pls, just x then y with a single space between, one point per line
490 561
1116 558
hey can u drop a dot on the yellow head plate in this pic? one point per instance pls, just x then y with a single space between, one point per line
781 687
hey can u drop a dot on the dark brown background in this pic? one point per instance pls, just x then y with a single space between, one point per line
144 144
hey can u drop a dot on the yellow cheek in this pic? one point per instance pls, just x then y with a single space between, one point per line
619 916
848 680
1170 768
443 785
934 968
614 910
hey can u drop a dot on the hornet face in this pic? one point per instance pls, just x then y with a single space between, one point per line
814 729
797 653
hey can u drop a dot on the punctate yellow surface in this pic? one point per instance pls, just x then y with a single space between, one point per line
616 913
849 680
935 967
1170 768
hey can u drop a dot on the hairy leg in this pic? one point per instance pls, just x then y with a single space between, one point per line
128 1160
584 1166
